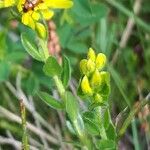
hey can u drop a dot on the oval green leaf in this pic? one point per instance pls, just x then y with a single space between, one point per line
71 106
52 67
50 101
30 47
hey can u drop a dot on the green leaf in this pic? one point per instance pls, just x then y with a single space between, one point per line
4 71
121 117
30 47
32 85
111 132
65 33
50 101
71 106
91 127
107 145
77 46
91 122
87 13
51 67
94 105
70 127
16 56
104 88
106 118
66 73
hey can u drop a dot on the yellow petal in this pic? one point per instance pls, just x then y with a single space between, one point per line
47 14
96 79
20 5
25 18
59 3
85 86
100 61
91 54
9 3
41 6
28 20
83 66
90 66
31 23
35 15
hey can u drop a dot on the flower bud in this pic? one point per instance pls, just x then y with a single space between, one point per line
85 86
100 61
83 64
40 30
90 66
91 54
105 77
98 98
96 79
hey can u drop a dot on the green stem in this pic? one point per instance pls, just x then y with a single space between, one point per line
25 145
60 87
102 129
81 133
44 49
135 135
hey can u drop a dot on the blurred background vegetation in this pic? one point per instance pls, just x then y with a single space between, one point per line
120 29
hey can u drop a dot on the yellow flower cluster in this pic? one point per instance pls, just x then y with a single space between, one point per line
95 82
34 10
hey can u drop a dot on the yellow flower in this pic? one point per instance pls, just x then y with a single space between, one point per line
85 86
100 61
87 66
83 66
96 79
91 54
35 10
90 66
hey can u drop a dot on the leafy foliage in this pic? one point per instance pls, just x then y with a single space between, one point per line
108 87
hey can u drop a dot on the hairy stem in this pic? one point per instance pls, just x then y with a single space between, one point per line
25 145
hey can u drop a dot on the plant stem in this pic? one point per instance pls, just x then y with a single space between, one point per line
43 45
135 135
80 132
82 135
60 87
102 129
25 145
